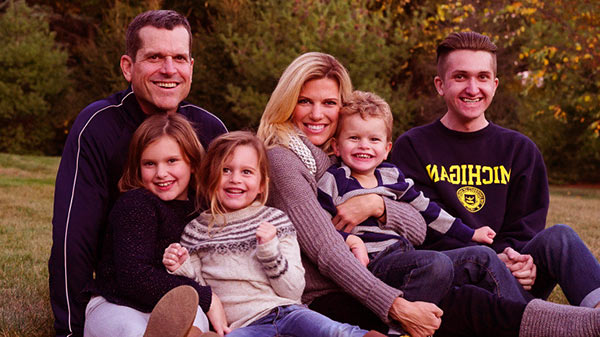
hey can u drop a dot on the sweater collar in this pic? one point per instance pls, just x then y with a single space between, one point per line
244 213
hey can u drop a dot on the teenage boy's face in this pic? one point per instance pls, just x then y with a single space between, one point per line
161 75
362 144
468 87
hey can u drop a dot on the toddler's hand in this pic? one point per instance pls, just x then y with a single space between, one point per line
174 256
265 232
358 248
484 235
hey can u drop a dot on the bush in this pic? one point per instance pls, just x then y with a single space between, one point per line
34 77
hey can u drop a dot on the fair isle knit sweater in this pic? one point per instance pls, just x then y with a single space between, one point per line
250 279
329 264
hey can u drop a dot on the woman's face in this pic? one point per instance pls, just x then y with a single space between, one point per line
317 110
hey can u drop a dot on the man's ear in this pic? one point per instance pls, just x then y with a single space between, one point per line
127 67
439 85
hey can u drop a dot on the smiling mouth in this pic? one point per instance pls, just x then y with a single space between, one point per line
315 128
234 191
167 85
164 184
363 156
471 100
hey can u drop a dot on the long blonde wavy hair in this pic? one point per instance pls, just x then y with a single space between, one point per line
276 123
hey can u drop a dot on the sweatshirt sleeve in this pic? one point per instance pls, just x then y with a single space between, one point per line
294 191
527 202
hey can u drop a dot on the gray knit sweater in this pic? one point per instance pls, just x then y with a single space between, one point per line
329 264
250 279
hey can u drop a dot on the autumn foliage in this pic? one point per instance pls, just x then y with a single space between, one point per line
548 60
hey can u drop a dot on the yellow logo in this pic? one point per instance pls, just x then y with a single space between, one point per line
471 198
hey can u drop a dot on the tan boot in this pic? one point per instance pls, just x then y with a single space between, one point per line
195 332
174 314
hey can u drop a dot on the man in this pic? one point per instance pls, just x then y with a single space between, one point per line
158 65
490 176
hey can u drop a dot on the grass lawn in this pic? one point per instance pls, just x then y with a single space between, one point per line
26 192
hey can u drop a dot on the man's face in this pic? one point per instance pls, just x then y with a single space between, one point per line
468 87
161 75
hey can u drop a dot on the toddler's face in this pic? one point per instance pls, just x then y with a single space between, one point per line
240 179
362 144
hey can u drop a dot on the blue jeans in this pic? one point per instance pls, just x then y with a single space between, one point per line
423 275
296 320
561 257
481 267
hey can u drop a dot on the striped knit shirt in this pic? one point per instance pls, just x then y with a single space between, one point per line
337 185
250 279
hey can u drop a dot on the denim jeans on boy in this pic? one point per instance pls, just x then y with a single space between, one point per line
422 275
561 257
296 320
427 275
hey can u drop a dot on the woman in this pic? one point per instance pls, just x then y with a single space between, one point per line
297 125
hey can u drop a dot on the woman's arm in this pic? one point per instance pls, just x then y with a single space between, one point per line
294 191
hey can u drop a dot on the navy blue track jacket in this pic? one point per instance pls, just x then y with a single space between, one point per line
86 188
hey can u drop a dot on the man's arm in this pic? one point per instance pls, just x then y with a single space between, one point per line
527 201
80 209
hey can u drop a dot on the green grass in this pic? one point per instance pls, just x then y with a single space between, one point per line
26 192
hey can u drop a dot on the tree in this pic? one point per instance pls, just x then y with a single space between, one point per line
34 76
251 43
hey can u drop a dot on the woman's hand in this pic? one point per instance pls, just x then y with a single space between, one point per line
174 256
358 209
419 319
216 316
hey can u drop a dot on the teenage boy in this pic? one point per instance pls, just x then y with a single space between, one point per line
489 175
158 65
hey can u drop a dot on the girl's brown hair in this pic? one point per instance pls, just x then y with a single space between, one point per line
154 127
217 154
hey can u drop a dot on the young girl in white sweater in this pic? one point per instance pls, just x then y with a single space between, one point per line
247 252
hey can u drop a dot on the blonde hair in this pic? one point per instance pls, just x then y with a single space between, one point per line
211 170
367 105
154 127
276 123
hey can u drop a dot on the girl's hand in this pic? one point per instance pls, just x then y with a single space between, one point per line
174 256
265 233
358 248
216 316
484 235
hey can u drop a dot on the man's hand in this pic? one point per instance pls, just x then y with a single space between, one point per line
356 210
216 316
521 266
419 319
174 256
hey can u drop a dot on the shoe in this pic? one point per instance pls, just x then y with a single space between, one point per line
174 314
195 332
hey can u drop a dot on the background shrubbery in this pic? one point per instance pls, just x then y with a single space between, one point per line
59 56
